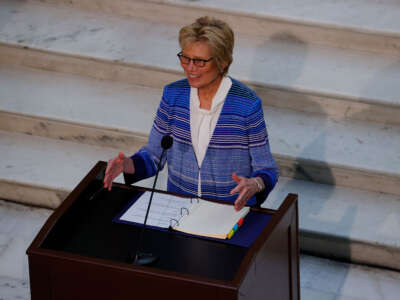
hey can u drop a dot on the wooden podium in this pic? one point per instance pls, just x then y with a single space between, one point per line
80 253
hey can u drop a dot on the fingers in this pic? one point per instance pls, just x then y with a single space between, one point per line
114 168
106 180
236 189
246 189
239 206
241 200
241 189
244 196
121 156
236 178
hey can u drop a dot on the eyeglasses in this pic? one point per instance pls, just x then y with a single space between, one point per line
198 62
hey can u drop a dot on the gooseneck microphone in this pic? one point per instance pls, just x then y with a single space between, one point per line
148 258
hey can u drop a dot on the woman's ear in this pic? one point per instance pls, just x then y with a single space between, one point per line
223 68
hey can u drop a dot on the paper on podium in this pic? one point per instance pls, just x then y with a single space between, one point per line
164 207
210 219
193 216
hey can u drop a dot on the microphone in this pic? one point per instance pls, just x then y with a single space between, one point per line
148 258
166 143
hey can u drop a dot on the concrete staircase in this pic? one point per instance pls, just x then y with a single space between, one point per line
81 80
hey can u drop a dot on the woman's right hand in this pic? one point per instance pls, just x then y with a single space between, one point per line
115 167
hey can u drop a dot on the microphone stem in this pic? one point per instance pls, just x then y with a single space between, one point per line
148 207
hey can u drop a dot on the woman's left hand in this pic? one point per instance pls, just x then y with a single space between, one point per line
246 188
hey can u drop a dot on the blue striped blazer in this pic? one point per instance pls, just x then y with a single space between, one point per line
238 144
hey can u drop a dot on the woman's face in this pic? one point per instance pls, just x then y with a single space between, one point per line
200 77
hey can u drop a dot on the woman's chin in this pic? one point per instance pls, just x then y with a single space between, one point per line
194 83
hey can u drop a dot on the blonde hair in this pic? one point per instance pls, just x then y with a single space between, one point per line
215 33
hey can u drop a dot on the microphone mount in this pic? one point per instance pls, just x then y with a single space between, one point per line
142 258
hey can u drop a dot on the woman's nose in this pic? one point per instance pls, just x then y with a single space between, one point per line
191 66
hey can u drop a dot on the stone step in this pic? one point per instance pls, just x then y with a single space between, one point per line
41 171
356 24
333 220
345 223
300 76
119 115
323 279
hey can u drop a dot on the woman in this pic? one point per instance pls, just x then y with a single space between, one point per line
220 148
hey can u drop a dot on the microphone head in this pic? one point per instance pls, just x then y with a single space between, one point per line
166 142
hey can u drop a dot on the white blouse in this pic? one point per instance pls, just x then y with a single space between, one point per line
203 121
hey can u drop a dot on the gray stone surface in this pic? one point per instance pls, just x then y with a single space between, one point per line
325 279
34 168
364 25
14 289
119 111
296 65
85 101
345 223
381 16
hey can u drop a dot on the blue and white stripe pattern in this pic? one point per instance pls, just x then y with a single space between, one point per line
239 144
